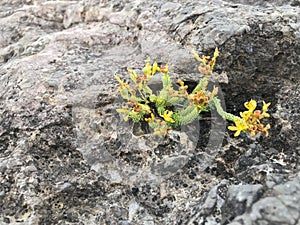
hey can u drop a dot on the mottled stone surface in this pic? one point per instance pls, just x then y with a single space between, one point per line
67 157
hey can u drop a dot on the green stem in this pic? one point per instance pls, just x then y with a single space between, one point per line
200 86
222 113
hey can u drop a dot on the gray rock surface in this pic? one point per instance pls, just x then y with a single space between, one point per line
66 156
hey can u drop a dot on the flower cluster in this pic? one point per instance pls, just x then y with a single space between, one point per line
250 120
172 107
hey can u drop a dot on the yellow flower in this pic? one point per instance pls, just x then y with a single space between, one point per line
265 130
168 116
150 119
147 68
246 115
216 53
240 125
266 106
251 105
265 109
155 68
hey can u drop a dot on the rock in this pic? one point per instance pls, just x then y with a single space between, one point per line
67 157
279 206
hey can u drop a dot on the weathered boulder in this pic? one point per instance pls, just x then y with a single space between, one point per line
67 157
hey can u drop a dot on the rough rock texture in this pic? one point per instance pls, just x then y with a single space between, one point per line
66 157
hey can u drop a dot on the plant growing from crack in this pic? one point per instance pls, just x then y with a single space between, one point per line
172 107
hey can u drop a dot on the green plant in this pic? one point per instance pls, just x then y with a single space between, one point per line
172 107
